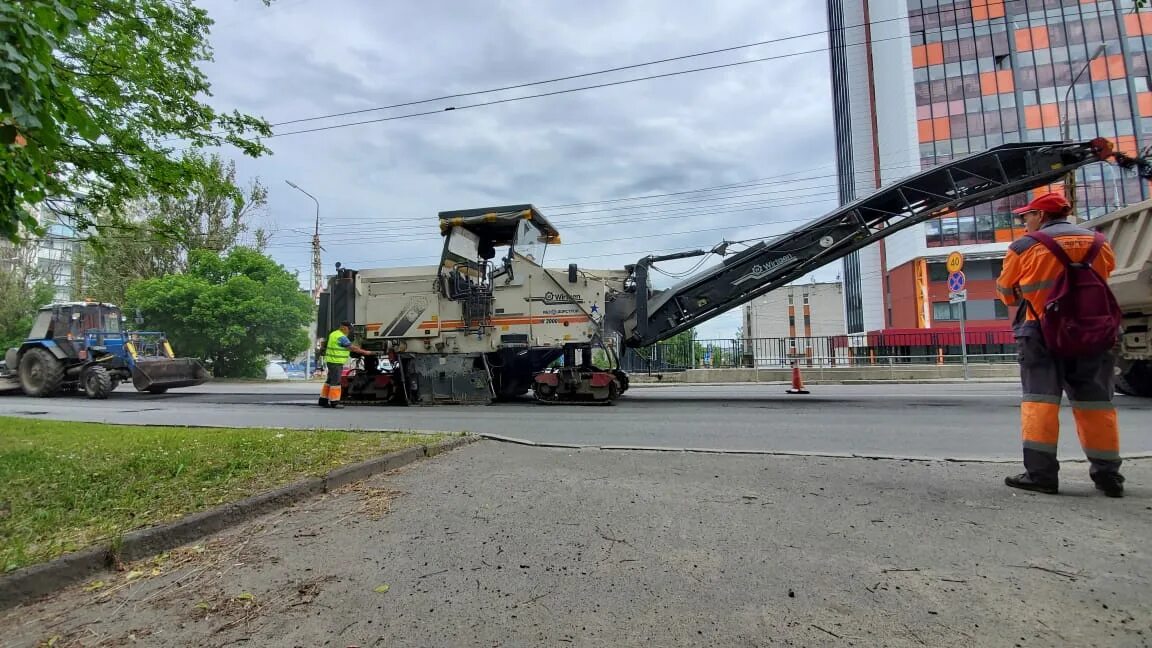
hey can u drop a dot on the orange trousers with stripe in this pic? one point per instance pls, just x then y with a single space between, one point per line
1088 382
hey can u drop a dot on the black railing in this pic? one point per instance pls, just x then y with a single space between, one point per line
857 350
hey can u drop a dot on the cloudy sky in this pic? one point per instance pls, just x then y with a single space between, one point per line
765 126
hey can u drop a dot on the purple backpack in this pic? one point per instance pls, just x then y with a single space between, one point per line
1081 317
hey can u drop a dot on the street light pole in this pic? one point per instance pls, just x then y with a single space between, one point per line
313 277
1070 177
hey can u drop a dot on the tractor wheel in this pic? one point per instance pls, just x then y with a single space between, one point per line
40 373
97 382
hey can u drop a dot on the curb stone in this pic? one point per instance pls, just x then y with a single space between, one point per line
32 582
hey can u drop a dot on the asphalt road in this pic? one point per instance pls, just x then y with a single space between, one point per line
497 545
965 421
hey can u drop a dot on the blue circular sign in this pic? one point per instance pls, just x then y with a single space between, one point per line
956 281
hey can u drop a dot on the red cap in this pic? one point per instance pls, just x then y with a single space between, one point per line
1048 203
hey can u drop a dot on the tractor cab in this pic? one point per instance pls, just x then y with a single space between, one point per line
80 327
483 247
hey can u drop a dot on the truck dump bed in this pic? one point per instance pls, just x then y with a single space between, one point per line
1129 230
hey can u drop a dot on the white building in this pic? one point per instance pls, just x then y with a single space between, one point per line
794 322
50 256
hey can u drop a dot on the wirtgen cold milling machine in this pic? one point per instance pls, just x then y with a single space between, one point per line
482 325
489 322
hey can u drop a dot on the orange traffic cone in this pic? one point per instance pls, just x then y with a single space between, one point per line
797 381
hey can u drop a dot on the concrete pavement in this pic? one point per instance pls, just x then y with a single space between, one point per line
969 420
499 545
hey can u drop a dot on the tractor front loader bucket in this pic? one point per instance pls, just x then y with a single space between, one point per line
162 374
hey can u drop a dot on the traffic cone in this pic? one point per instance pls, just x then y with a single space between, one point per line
797 382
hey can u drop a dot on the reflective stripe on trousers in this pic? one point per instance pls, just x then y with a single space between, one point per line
331 389
1089 384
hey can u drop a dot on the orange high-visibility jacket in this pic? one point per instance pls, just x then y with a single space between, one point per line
1030 269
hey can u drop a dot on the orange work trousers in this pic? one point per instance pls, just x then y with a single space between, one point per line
1089 385
330 392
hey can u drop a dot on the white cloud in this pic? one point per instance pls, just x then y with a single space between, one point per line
381 185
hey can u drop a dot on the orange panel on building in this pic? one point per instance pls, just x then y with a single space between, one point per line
996 82
1138 23
919 56
985 9
1032 38
924 130
1042 116
1108 67
1145 101
934 53
902 281
941 129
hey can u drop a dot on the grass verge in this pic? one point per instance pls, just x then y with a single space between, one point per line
67 486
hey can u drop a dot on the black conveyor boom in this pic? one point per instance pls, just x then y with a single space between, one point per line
974 180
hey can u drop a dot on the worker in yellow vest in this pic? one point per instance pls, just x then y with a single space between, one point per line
336 354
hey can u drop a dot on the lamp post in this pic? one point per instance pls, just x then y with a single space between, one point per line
1070 178
313 277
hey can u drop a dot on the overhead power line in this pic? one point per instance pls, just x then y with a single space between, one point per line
582 75
621 68
565 91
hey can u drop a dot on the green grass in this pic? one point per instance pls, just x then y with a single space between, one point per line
67 486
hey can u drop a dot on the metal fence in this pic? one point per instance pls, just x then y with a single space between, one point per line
856 350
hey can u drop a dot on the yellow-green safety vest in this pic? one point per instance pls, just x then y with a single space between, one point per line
334 353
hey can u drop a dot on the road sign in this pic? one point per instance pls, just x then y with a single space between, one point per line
956 281
957 296
955 262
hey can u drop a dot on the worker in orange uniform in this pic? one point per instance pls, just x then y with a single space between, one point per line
336 353
1031 269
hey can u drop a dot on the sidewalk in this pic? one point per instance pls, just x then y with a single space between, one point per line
500 545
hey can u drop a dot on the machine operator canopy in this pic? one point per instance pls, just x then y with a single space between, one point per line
498 226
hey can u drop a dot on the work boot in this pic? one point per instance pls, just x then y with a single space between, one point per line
337 405
1024 481
323 402
1111 483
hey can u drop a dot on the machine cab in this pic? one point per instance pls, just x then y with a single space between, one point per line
489 247
81 322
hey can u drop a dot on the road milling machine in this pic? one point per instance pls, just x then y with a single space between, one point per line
490 322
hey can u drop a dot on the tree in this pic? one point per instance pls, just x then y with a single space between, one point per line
95 96
680 350
156 235
25 288
230 310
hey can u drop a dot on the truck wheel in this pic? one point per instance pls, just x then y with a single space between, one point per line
40 373
1136 379
97 382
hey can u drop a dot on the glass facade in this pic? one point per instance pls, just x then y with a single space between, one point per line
845 165
990 72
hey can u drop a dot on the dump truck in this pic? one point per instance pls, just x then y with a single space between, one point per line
83 346
491 322
1130 232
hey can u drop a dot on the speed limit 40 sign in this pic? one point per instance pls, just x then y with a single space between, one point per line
955 262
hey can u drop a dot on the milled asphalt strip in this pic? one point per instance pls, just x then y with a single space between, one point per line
35 581
778 453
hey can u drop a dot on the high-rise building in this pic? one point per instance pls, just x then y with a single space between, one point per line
920 82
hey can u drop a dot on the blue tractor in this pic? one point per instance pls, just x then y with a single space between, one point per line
83 346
